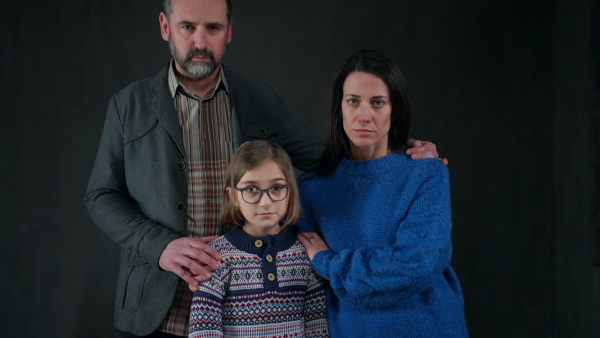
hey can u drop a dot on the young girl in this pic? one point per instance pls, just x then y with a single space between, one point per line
265 286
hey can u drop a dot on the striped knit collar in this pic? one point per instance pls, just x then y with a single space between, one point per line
282 241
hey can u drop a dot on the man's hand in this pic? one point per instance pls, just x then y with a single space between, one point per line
423 149
191 259
313 243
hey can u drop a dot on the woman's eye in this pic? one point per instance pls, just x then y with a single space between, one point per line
378 103
353 101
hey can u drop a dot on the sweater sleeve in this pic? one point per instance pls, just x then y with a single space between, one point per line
315 317
381 276
206 312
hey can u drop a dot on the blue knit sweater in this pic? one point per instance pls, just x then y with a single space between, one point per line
387 223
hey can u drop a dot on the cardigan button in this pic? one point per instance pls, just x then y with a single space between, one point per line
258 243
262 131
180 165
179 207
271 277
269 258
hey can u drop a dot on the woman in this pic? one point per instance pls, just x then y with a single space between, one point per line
385 218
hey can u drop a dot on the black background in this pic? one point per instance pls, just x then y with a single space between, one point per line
508 90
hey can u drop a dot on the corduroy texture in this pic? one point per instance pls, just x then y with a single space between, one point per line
387 222
265 287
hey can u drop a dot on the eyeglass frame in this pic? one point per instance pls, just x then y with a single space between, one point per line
260 196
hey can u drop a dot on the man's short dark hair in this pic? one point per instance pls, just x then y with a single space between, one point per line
167 8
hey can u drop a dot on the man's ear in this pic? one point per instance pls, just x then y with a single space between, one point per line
230 31
164 26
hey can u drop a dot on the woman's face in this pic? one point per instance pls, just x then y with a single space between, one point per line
366 114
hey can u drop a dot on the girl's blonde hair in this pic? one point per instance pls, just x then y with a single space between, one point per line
250 155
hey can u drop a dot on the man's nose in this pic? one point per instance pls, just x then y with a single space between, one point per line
200 39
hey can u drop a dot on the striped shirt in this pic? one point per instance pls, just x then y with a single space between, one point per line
207 136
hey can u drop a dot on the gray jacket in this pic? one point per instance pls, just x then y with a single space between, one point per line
137 193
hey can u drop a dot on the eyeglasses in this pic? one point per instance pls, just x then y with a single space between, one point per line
252 195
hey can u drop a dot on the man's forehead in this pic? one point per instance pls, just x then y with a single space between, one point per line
215 8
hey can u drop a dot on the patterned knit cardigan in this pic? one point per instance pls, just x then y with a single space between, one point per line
265 287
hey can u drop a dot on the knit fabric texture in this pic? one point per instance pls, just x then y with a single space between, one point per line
265 287
387 222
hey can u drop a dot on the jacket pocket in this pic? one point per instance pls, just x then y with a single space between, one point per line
130 284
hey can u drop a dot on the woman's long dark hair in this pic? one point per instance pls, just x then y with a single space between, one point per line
383 66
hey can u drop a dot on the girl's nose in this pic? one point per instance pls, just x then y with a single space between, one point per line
265 200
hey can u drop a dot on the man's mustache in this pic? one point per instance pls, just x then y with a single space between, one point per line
200 52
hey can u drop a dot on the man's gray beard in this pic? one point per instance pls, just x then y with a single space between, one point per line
197 69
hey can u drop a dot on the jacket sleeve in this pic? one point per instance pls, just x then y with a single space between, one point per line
301 143
381 276
109 202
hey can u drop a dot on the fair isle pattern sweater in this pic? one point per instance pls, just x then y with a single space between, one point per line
265 287
387 223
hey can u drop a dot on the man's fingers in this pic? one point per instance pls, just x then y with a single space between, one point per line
208 239
202 271
185 275
204 253
424 154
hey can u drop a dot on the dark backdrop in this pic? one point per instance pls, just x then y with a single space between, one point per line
508 90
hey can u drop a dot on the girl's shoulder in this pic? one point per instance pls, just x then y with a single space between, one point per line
221 244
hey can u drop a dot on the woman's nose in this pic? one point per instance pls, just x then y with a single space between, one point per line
364 115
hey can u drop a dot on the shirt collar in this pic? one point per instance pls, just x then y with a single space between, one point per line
176 86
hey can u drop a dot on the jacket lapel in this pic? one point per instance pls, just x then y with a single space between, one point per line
164 108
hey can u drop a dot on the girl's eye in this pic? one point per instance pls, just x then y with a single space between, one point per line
276 188
251 189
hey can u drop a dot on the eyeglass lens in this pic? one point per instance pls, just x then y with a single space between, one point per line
253 195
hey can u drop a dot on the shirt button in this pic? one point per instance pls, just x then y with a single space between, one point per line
271 277
258 243
207 168
269 258
209 202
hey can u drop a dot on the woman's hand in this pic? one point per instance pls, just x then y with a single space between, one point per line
313 243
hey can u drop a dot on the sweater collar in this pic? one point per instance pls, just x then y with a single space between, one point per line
279 242
371 167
